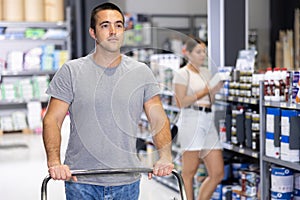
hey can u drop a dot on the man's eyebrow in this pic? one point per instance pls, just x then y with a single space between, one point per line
104 22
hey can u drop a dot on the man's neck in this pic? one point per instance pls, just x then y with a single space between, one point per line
107 59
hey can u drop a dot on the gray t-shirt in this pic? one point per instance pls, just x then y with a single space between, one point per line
105 108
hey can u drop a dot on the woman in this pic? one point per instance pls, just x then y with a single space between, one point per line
197 134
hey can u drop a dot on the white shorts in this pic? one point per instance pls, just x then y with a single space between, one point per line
197 131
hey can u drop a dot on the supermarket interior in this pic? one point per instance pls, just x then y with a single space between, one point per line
252 46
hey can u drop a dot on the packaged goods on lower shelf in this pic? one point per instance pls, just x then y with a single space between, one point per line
8 92
273 132
34 118
43 57
6 123
15 61
19 120
25 89
217 195
282 183
14 122
297 186
290 141
40 85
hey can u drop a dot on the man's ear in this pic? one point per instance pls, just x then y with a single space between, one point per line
92 33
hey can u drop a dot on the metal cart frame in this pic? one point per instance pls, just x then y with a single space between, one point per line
114 171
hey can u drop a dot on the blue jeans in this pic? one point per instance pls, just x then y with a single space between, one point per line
78 191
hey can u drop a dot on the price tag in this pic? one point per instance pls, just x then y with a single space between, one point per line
241 150
241 99
283 105
253 101
293 105
267 103
254 154
246 100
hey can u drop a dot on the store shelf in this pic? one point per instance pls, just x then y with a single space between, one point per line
13 146
248 100
26 73
47 25
254 101
241 150
282 105
25 85
20 102
64 40
291 165
58 41
266 161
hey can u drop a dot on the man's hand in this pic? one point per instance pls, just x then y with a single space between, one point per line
61 172
162 167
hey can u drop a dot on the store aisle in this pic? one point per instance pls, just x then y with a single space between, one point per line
23 167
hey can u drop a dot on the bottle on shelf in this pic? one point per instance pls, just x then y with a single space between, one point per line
277 84
295 86
268 84
288 88
283 74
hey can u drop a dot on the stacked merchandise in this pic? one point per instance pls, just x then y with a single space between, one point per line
272 142
289 136
14 122
244 183
241 127
287 47
284 50
285 183
297 38
23 90
281 85
138 30
282 183
296 186
32 10
282 134
30 90
44 58
163 67
244 83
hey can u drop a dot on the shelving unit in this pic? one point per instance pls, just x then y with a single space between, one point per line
190 21
239 134
14 43
21 43
241 150
266 161
253 101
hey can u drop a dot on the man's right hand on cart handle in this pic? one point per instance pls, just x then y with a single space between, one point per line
61 172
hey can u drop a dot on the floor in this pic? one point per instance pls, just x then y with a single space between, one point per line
23 168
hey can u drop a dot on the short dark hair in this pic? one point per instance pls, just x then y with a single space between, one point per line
191 43
104 6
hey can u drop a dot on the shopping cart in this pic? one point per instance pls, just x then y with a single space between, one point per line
115 171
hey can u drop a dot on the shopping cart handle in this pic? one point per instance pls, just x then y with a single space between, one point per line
114 171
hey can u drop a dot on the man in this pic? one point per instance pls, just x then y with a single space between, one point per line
105 94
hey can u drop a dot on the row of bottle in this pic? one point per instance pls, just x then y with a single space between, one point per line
281 85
